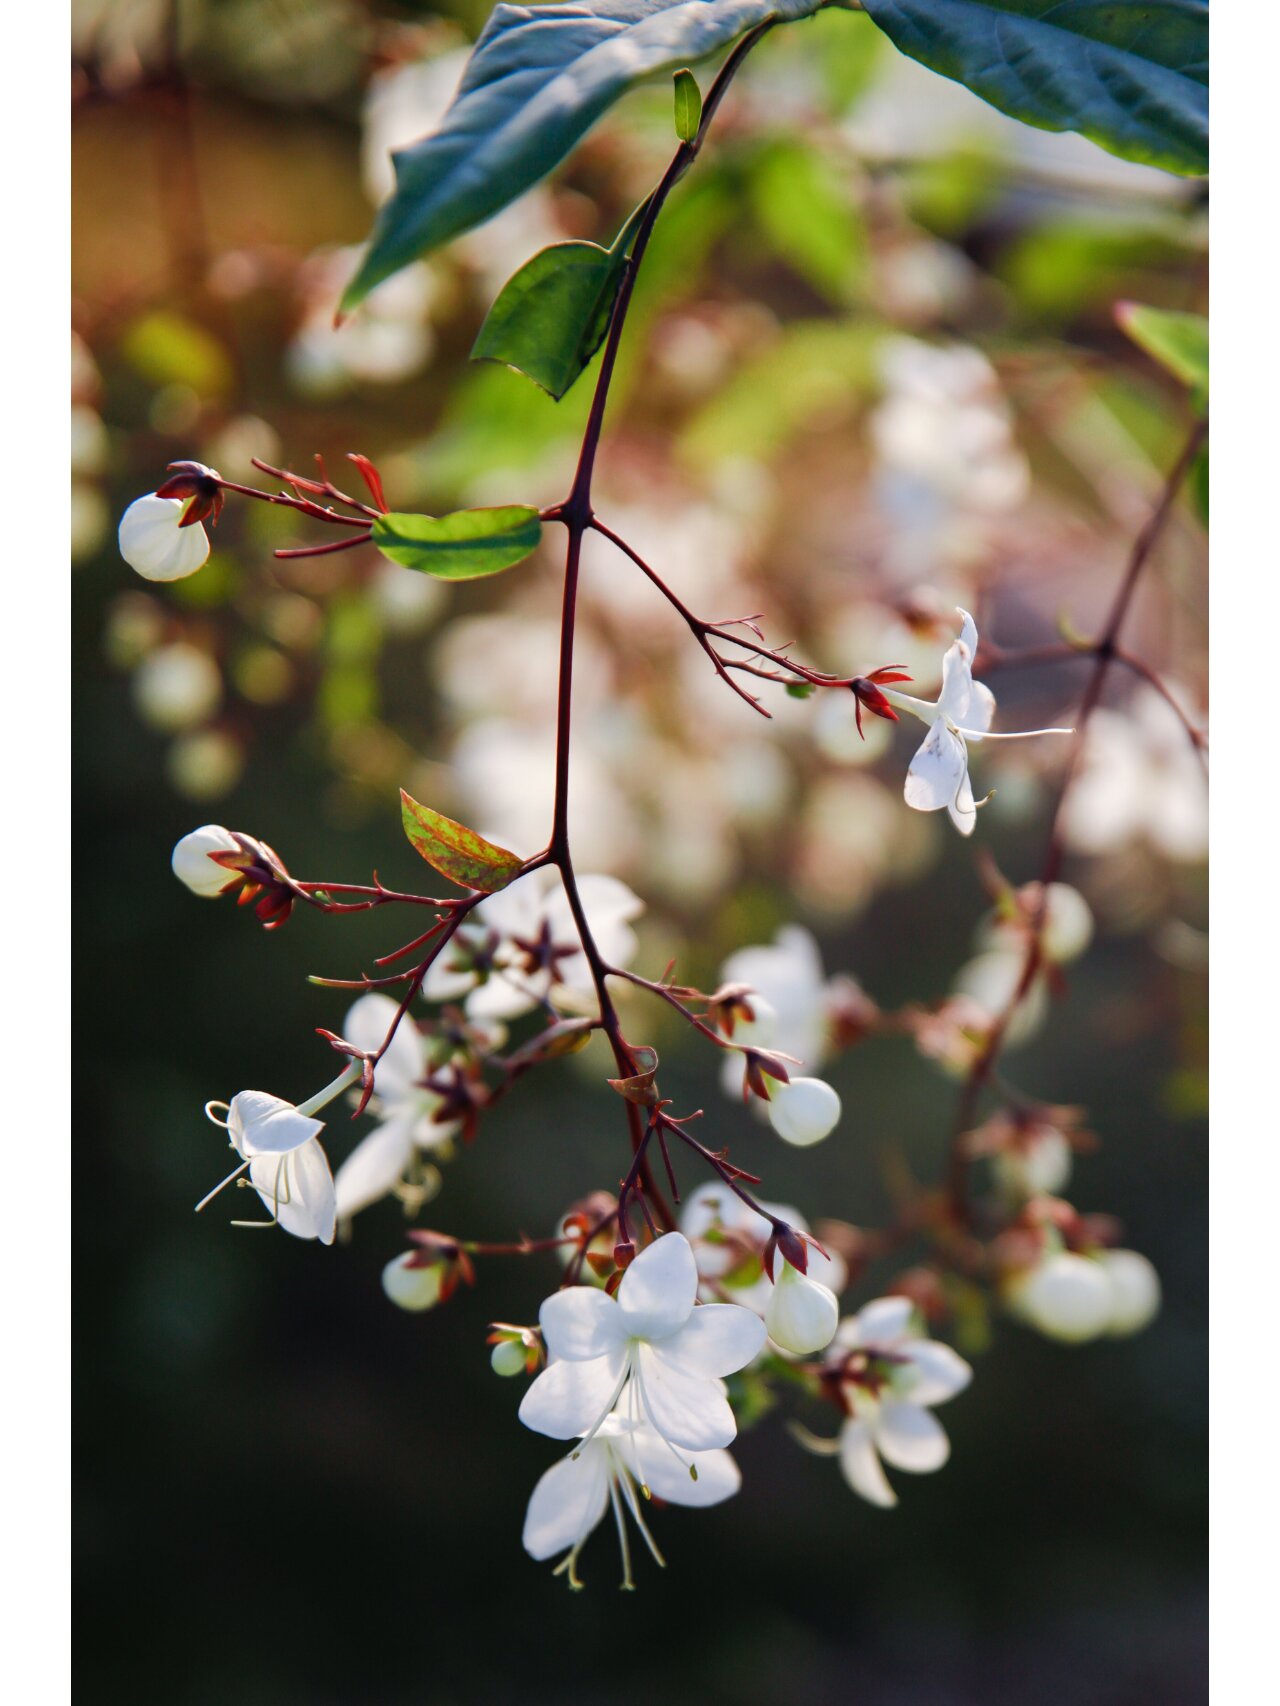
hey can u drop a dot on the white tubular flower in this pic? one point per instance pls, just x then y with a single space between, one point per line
281 1152
890 1380
406 1109
1135 1291
938 775
521 947
193 863
154 542
804 1111
571 1498
802 1315
1065 1297
648 1351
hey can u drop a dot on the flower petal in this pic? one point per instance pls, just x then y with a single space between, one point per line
666 1477
374 1167
937 1372
567 1503
881 1322
659 1288
982 708
297 1190
580 1323
717 1339
686 1410
862 1467
961 809
957 682
937 770
567 1399
262 1124
911 1438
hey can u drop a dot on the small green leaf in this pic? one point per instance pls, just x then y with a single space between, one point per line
688 105
456 851
551 317
1179 342
462 546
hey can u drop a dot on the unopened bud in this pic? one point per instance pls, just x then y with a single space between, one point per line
413 1287
804 1111
154 542
1135 1288
802 1314
1065 1297
193 864
508 1357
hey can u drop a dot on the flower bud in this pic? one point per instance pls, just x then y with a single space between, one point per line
1039 1166
804 1111
413 1287
1135 1287
153 542
1068 923
802 1314
508 1357
1065 1297
193 865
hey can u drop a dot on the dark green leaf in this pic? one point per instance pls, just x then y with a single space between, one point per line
456 851
688 105
1179 342
1132 75
552 316
538 80
462 546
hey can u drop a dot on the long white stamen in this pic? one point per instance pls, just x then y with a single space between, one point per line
222 1187
628 1493
1016 734
624 1545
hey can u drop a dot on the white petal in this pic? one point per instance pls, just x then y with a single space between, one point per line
982 708
1135 1287
911 1438
881 1322
367 1022
567 1399
261 1124
567 1503
374 1167
193 866
659 1288
937 1372
937 770
717 1339
647 1457
961 810
861 1466
686 1410
297 1189
957 683
802 1315
580 1323
804 1111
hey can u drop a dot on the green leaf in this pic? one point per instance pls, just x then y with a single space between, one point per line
462 546
688 105
1179 342
1131 75
805 211
456 851
539 78
552 316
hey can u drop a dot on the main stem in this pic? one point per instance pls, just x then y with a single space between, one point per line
577 515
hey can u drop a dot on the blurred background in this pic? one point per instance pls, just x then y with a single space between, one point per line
873 372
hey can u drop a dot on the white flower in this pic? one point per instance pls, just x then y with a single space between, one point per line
802 1315
890 1380
788 974
729 1239
1139 781
621 1460
281 1152
938 775
1135 1291
153 542
804 1111
1038 1167
521 947
193 863
648 1351
406 1108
